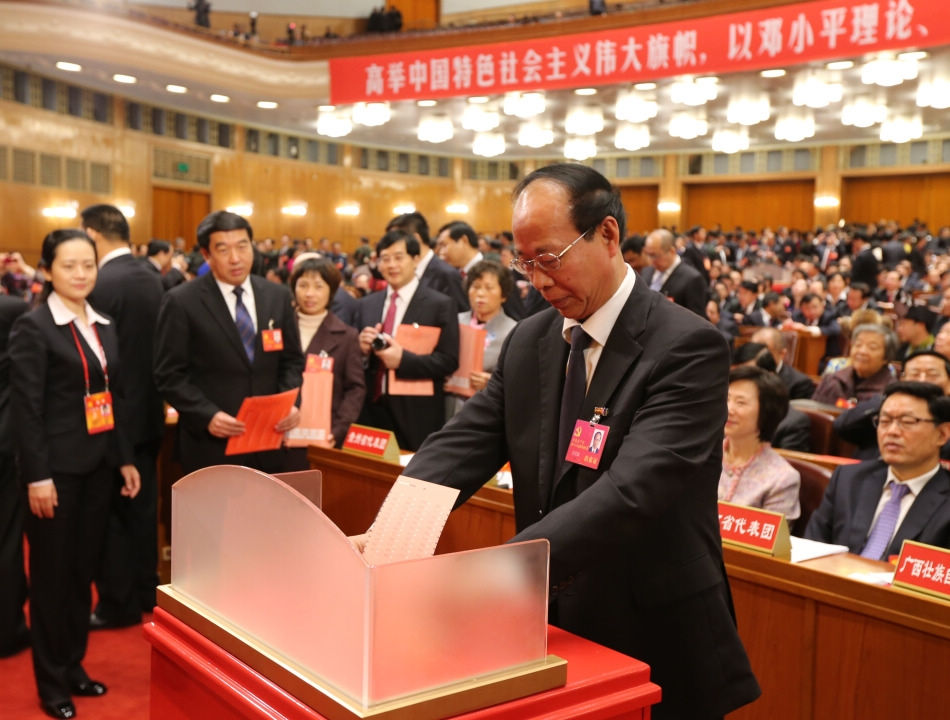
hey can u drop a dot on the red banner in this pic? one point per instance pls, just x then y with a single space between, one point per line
925 568
774 37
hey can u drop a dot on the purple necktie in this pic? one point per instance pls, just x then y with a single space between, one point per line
883 529
245 326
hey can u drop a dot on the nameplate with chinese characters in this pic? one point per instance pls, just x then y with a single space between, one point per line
924 568
372 442
753 529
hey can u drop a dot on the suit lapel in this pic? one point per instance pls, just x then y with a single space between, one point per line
934 494
869 495
212 300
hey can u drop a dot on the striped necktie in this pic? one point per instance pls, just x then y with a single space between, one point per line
245 327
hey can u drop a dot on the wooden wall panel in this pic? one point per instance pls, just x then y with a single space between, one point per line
639 201
750 204
176 213
903 198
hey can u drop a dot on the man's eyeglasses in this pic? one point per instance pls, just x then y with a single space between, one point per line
547 262
904 422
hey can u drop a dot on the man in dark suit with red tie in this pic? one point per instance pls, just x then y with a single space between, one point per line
405 301
636 555
433 272
215 346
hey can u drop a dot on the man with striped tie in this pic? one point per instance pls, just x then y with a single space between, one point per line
223 337
905 495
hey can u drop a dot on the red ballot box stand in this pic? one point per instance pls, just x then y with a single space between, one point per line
192 677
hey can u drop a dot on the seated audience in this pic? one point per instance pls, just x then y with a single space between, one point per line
872 347
914 331
753 473
872 507
723 321
813 318
942 341
799 385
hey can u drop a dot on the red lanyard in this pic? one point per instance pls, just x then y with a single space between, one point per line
82 355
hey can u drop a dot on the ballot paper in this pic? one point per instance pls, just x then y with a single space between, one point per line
410 521
804 549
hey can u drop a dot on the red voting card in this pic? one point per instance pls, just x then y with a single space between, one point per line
260 414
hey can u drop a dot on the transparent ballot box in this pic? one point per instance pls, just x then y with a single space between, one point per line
258 568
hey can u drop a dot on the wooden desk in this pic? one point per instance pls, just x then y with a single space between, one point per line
825 646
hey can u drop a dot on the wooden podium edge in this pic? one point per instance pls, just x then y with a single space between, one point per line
448 700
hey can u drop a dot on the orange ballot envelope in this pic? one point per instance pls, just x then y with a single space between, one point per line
316 400
421 340
471 359
260 414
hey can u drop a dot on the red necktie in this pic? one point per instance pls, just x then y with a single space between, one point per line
388 322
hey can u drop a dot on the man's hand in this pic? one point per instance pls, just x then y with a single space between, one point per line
289 422
223 425
391 357
132 482
367 335
479 379
43 499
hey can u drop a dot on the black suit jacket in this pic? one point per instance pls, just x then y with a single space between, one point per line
47 398
696 257
847 509
344 307
10 309
636 556
794 432
341 342
444 278
131 293
201 366
416 417
800 386
685 285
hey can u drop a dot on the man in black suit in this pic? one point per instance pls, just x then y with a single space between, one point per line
812 317
405 302
865 266
211 352
130 293
799 385
874 506
14 635
671 276
433 272
695 251
636 558
772 312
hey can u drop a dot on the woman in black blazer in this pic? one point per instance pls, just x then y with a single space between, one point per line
314 281
67 401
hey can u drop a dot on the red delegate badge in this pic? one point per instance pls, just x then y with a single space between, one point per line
273 340
99 414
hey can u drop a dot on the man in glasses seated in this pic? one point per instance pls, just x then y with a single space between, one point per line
874 506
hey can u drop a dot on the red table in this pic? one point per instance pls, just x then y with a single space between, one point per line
193 677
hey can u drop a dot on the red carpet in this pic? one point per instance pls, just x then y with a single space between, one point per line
119 658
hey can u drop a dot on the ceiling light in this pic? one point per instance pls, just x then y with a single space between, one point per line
901 129
934 91
66 211
729 141
535 135
840 65
326 108
371 114
177 89
295 209
888 71
404 209
795 126
245 210
435 129
863 112
127 209
584 120
478 100
634 107
457 208
585 91
688 125
349 209
813 90
68 66
334 123
488 144
426 103
694 92
220 98
524 105
266 104
480 119
668 206
748 108
632 137
912 56
645 86
826 201
125 79
773 73
580 148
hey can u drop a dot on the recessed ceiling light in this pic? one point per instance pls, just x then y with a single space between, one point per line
326 108
125 79
773 73
916 55
645 86
840 65
478 100
585 91
177 89
426 103
68 66
220 98
266 104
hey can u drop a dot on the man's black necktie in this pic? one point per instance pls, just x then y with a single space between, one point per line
575 389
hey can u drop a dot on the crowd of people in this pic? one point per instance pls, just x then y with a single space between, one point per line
102 333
